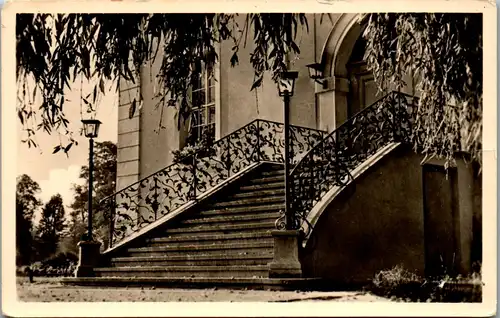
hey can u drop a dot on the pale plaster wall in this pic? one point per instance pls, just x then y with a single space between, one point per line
127 170
239 105
159 133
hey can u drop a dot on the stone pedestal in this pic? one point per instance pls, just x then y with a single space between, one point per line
286 263
89 258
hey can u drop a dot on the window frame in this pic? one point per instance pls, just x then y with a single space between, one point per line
202 111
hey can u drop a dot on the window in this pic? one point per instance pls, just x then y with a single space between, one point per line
202 125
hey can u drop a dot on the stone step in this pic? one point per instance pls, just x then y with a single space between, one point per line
276 172
251 202
232 219
202 249
259 193
261 180
213 228
215 238
225 259
260 239
185 271
270 185
249 209
203 282
274 166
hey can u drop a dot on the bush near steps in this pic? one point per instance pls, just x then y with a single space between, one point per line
402 285
60 265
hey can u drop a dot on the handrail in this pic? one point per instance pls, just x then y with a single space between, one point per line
181 159
202 150
330 161
154 196
359 113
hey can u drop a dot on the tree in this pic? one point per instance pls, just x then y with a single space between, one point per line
442 51
56 50
51 227
26 205
26 191
24 240
104 185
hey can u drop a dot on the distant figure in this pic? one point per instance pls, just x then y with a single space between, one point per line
29 272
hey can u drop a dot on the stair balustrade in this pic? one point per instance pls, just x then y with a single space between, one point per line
330 162
182 182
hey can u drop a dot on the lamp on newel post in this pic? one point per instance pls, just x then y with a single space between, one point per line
286 86
286 261
89 249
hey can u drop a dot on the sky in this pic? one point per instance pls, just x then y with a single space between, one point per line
56 173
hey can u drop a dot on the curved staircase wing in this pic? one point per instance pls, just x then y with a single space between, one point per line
330 162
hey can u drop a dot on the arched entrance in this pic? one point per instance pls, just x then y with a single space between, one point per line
362 88
350 85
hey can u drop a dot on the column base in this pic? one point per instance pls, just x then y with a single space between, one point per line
89 258
84 271
286 263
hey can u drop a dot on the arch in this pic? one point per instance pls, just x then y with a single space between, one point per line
333 98
339 45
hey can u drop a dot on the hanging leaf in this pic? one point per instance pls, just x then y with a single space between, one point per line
94 97
101 85
256 83
21 117
68 147
131 110
234 59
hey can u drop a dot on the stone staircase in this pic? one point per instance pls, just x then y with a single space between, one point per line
228 236
224 238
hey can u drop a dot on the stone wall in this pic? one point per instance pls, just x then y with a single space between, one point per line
377 222
127 170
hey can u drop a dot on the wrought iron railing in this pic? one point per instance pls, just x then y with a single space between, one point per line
330 162
155 196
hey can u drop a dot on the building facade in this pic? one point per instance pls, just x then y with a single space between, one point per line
399 209
228 103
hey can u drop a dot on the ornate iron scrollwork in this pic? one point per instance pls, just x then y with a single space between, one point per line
319 160
155 196
330 162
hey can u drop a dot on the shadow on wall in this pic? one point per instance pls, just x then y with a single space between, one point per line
374 224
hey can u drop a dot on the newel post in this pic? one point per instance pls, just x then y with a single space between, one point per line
286 261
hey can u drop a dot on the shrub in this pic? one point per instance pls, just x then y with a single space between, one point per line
61 260
62 264
202 146
399 283
390 279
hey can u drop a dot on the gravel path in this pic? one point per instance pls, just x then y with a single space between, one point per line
50 290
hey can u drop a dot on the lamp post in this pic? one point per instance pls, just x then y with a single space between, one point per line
91 130
286 261
89 249
286 87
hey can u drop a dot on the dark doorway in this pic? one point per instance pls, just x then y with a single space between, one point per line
440 221
362 90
